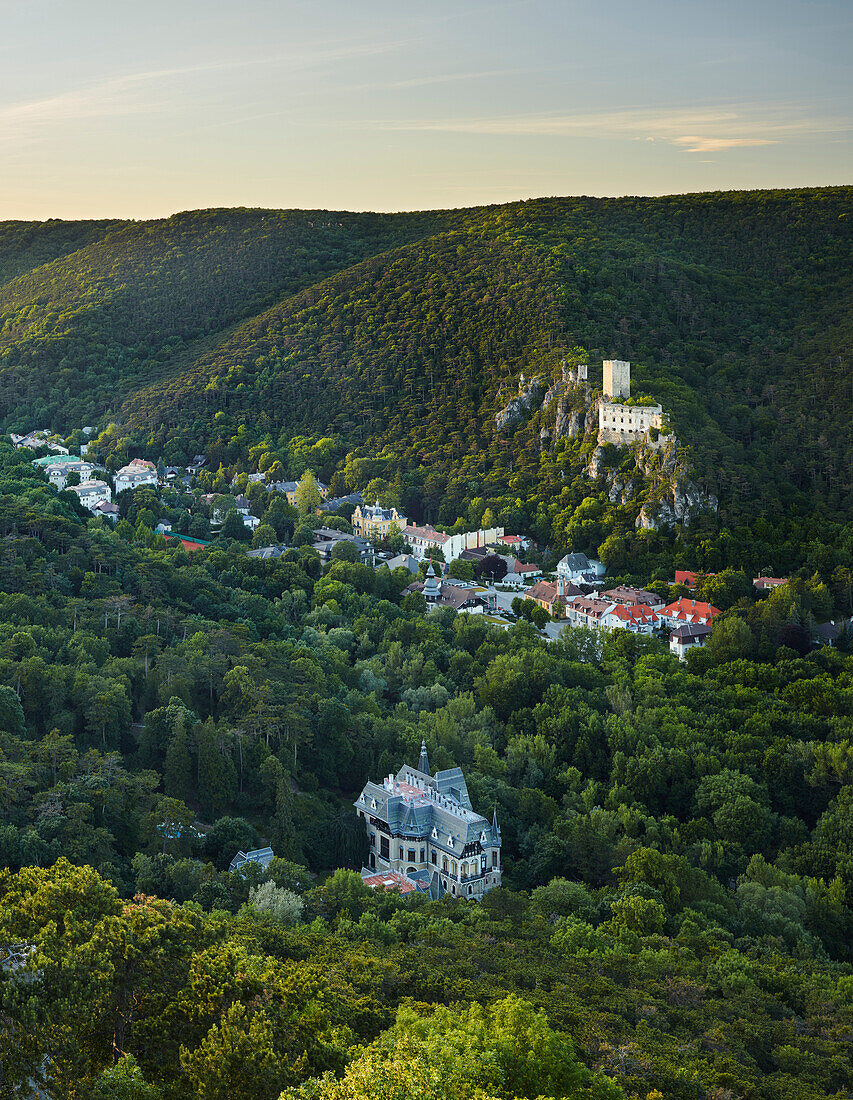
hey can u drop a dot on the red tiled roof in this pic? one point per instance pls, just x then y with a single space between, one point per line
542 590
429 533
390 880
689 611
635 613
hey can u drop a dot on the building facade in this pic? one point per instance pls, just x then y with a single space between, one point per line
423 539
618 422
373 522
138 471
423 827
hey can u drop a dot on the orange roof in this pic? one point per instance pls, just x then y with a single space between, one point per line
635 613
543 590
689 611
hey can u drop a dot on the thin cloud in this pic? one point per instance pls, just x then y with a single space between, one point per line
129 95
693 131
447 78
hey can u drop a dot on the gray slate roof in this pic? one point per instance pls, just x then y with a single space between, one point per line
443 810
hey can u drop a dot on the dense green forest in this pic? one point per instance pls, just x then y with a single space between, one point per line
676 918
399 337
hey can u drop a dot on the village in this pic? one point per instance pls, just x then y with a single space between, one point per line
486 571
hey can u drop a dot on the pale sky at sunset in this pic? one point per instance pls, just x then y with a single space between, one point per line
117 109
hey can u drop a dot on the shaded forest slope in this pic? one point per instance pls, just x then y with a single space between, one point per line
412 330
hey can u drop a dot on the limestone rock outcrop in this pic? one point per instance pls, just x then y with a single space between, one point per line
518 408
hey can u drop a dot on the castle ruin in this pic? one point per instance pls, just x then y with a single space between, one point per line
620 423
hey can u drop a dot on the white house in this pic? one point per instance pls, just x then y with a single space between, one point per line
136 473
92 493
688 637
578 568
57 472
252 522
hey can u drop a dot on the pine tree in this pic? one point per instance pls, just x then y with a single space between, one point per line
177 775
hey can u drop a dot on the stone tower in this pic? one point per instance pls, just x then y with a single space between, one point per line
583 372
617 378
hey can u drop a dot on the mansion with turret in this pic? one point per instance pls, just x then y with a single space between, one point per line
425 834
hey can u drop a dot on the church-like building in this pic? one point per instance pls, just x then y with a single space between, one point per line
425 833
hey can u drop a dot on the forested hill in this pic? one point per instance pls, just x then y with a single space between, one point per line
410 331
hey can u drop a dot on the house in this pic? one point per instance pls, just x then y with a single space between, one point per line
136 473
829 633
630 596
767 584
198 463
402 561
260 856
423 539
242 505
35 439
688 637
92 494
638 618
424 827
688 578
107 510
373 522
252 522
163 528
685 612
58 472
527 572
337 503
267 553
326 539
460 595
576 568
171 472
548 594
585 611
515 543
289 489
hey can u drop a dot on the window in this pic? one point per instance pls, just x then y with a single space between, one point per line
373 840
434 857
423 853
401 856
411 855
444 863
494 859
384 847
454 868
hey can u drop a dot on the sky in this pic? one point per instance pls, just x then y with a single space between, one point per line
137 110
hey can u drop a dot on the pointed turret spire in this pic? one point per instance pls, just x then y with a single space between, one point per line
423 763
496 829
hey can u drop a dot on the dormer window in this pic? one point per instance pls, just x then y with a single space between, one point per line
373 803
